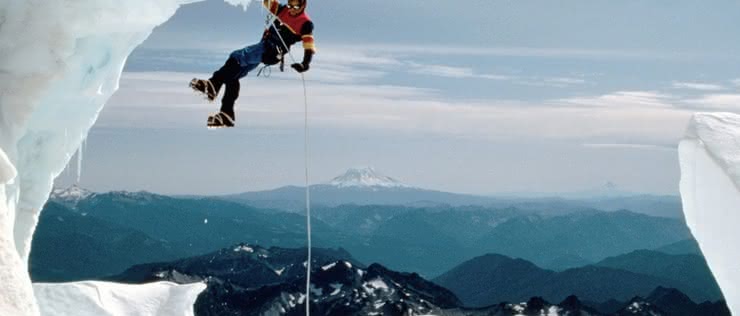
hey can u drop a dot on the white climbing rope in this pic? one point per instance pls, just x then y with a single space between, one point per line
305 157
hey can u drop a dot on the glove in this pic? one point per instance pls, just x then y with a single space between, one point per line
300 67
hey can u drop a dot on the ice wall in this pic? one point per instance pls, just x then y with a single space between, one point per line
16 296
60 61
710 191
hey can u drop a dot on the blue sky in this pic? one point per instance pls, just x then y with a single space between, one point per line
481 97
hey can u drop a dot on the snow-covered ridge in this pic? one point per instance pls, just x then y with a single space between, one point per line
71 193
75 194
710 192
365 177
244 248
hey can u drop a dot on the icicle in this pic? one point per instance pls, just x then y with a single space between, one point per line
79 161
79 164
66 143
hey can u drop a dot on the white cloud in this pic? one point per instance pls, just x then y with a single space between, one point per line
565 81
355 56
724 101
624 99
277 103
451 72
557 82
346 66
344 73
697 86
442 71
337 64
546 52
630 146
494 77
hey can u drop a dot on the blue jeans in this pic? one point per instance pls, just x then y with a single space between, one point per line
248 57
239 64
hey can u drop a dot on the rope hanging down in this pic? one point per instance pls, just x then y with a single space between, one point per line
269 19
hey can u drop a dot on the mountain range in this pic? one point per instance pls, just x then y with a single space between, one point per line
366 186
688 272
577 249
71 246
493 278
251 280
435 238
453 234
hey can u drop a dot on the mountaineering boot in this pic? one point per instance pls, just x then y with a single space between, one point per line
204 86
220 119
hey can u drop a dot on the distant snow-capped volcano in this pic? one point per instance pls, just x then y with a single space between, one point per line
365 177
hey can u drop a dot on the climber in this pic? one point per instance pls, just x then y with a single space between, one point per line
292 25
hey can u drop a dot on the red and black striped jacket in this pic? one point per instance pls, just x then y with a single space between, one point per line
291 28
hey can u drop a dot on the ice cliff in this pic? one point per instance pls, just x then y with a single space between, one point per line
710 183
60 61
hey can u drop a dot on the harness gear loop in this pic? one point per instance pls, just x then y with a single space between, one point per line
266 69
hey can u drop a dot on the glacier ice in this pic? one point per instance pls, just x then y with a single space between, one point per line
104 298
710 182
60 61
